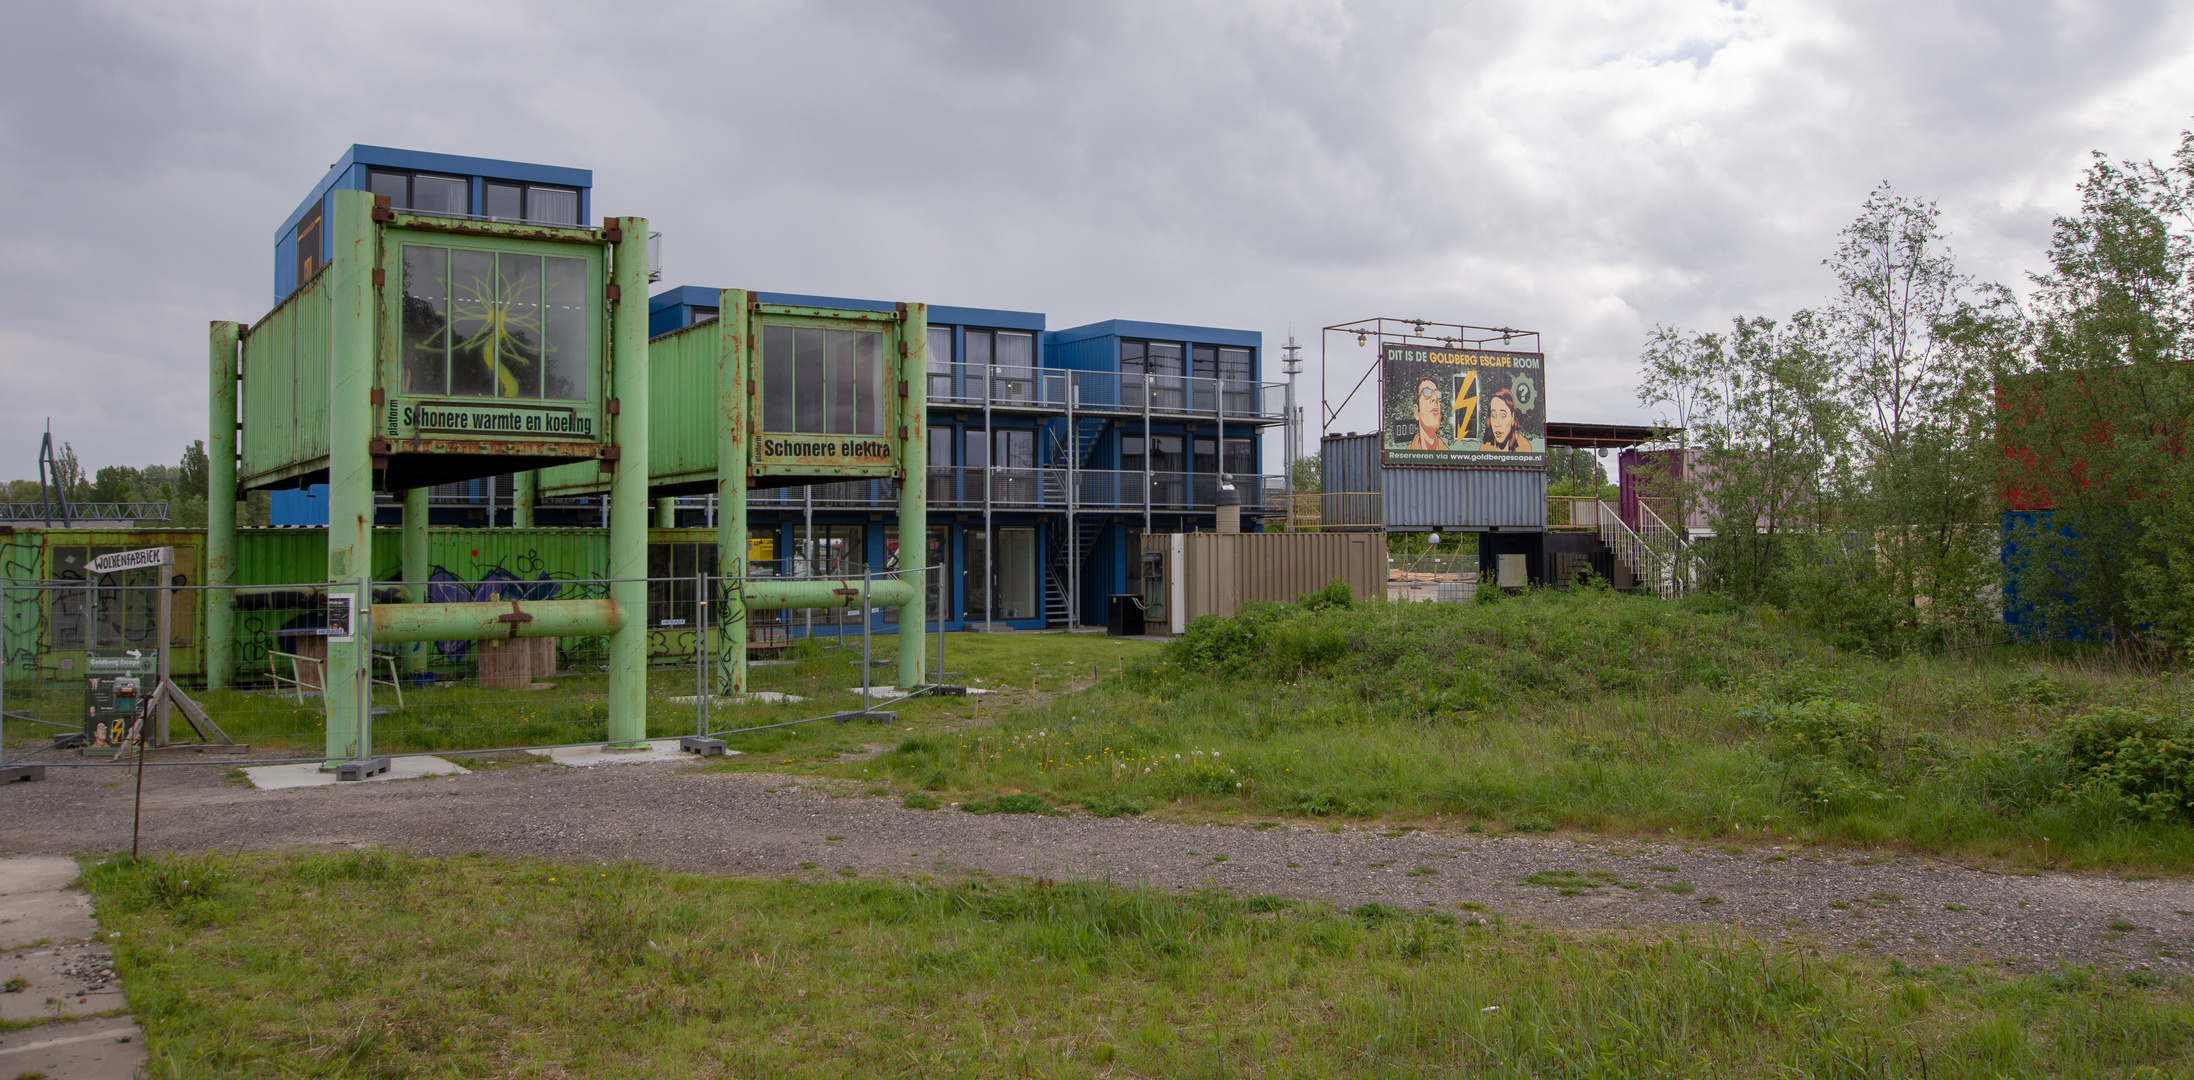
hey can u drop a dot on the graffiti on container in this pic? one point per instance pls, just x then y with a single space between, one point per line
444 587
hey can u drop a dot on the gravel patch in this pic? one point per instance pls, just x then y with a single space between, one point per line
675 815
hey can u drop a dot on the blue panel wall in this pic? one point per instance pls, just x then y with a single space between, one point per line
294 507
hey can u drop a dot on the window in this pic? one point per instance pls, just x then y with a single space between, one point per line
936 599
1016 571
1016 449
975 445
422 193
671 586
1166 454
1150 358
1239 457
498 324
1134 453
1008 357
830 550
1207 456
939 362
825 382
699 315
974 568
1155 365
308 244
504 200
1013 480
1235 369
940 446
1205 362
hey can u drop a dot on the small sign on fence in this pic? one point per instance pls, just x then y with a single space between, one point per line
340 609
130 560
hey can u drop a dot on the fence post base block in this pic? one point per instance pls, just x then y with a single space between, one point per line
361 769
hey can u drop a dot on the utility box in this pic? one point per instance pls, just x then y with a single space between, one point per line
1190 574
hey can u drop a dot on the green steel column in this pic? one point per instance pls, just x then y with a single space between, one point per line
415 567
525 491
733 324
666 513
351 325
220 650
628 489
913 490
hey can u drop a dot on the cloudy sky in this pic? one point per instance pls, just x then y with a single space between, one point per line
1585 169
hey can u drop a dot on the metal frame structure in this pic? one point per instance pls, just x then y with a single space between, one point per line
1375 333
322 392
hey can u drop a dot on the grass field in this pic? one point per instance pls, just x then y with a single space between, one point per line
570 707
1596 712
372 964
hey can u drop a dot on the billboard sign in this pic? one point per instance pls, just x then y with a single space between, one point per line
1462 408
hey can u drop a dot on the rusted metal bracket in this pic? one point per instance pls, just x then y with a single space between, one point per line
514 619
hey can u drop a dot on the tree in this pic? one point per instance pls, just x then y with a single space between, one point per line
1307 473
2096 405
1916 498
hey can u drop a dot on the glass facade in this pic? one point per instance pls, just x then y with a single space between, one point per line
494 324
825 382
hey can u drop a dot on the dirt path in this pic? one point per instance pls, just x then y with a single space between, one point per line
673 815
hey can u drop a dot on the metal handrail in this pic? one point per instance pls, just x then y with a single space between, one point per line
1648 562
1104 392
1046 488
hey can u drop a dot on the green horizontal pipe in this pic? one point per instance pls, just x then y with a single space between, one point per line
483 620
764 594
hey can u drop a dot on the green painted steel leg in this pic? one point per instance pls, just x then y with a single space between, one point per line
666 513
415 569
732 327
220 651
913 494
525 491
350 468
628 500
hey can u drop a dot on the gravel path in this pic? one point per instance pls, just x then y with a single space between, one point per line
677 816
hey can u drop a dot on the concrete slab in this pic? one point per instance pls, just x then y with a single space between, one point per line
67 981
761 697
309 774
59 981
108 1048
586 757
36 904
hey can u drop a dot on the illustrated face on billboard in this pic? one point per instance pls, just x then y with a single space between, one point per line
1458 407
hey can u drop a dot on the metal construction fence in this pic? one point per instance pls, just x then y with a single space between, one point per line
79 665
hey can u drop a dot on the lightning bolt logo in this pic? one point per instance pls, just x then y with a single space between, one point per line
1466 406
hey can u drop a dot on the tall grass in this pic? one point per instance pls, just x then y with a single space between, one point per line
1593 711
377 964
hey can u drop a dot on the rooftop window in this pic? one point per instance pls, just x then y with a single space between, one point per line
422 193
508 201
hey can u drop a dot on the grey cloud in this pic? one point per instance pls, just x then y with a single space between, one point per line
1585 170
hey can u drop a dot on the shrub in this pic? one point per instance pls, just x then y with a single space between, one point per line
1010 804
2144 760
1827 754
919 800
1111 806
1336 594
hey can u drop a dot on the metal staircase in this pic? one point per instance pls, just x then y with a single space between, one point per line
1069 554
1071 442
1650 552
